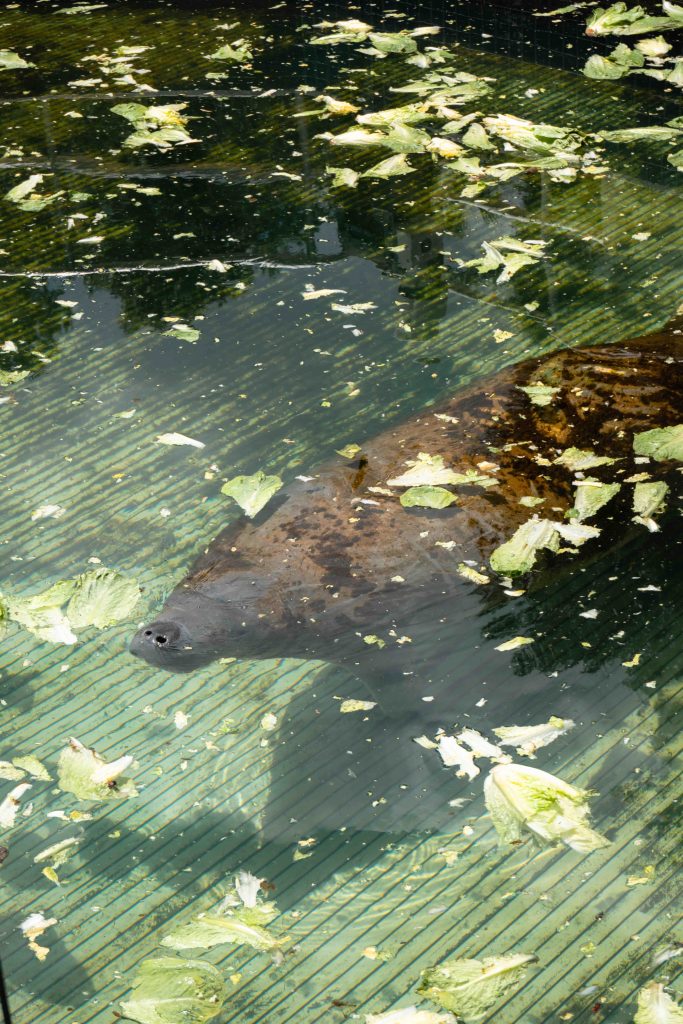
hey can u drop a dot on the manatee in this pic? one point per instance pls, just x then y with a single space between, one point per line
337 569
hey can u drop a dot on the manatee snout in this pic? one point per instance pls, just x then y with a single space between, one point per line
169 644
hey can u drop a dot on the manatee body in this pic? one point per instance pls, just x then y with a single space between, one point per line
335 561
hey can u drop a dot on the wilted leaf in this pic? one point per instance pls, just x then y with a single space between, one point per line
343 177
540 394
9 61
348 706
519 797
514 643
655 1006
528 738
349 451
392 167
101 597
580 459
428 497
88 776
591 495
168 990
470 987
253 492
519 554
239 52
662 443
656 133
179 440
183 332
209 930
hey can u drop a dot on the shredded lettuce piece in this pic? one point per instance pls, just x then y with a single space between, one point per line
470 987
655 1006
521 798
236 926
88 776
392 167
168 990
529 738
253 492
10 805
540 394
620 20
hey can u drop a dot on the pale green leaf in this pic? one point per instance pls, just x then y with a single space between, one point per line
519 554
88 776
253 492
520 798
183 332
392 167
350 706
101 597
591 495
656 133
661 444
343 177
470 987
514 643
476 137
428 497
393 42
169 990
602 69
580 459
35 768
9 61
349 451
357 137
42 613
620 20
209 930
239 53
655 1006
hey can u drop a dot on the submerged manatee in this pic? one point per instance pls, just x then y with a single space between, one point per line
336 561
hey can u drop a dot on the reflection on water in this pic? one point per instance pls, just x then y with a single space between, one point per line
374 882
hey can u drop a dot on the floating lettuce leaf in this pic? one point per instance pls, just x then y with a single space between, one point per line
42 613
392 167
35 768
183 332
521 798
8 377
410 113
514 643
160 126
603 69
403 138
470 987
660 444
351 705
409 1015
393 42
544 139
518 555
101 598
454 755
9 61
656 133
428 497
430 471
540 394
676 159
236 926
648 499
84 773
253 492
167 990
576 533
655 1006
509 253
357 137
655 47
349 451
591 495
239 52
25 196
468 573
620 20
580 459
528 738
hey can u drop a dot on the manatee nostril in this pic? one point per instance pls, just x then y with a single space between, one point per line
148 632
160 640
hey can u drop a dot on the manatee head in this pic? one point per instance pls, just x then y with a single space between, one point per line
238 617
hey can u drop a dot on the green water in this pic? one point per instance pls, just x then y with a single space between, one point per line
276 381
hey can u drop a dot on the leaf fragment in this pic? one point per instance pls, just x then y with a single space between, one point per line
170 990
470 987
661 444
253 492
88 776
